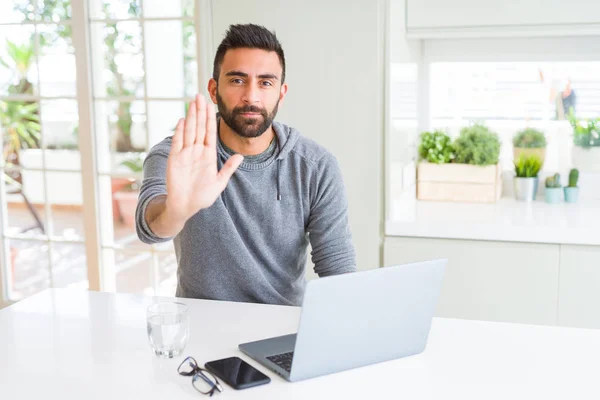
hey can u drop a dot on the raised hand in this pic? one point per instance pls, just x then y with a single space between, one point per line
193 182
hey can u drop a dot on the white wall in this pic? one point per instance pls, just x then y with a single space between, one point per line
334 54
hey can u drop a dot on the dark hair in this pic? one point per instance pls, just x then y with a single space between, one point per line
248 36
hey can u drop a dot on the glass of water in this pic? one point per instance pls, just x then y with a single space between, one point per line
168 327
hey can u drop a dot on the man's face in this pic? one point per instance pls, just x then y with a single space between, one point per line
249 90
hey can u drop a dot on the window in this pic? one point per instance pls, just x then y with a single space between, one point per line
509 96
144 70
506 83
143 66
512 90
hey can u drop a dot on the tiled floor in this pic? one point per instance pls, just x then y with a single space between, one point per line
31 260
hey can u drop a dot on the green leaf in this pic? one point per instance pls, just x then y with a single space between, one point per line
436 147
527 166
585 131
24 136
135 163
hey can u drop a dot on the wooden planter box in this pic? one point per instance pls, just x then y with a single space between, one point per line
459 182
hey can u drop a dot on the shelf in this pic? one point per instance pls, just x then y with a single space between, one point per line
506 220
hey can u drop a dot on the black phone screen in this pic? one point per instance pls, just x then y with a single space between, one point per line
237 373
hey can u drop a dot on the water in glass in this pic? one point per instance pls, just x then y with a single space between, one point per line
168 328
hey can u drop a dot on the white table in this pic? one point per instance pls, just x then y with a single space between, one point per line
68 344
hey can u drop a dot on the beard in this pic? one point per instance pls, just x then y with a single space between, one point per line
243 126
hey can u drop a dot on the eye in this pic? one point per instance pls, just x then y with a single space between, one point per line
237 81
267 83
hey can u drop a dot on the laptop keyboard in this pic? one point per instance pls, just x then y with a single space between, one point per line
283 360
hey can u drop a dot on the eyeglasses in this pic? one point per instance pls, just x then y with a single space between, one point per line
203 381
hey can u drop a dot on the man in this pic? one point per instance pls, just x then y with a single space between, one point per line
242 195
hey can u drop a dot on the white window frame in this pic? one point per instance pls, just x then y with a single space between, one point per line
5 270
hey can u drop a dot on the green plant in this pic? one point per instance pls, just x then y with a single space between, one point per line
528 166
117 85
586 132
20 119
21 124
529 138
135 163
573 177
553 181
436 147
477 145
20 60
115 39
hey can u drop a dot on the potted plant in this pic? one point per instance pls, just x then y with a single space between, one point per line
586 140
464 170
477 145
529 141
127 197
526 179
436 147
553 189
572 191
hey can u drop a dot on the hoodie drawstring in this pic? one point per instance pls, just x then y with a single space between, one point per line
278 179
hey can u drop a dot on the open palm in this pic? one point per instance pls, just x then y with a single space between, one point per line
193 182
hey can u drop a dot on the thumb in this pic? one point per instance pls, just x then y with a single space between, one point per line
229 168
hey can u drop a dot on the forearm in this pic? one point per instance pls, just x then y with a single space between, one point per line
161 221
335 257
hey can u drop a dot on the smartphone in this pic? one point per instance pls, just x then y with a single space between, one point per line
237 373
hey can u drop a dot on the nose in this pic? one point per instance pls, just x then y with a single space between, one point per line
251 95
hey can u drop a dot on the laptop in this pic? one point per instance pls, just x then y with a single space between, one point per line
352 320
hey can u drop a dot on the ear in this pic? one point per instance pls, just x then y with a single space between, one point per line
283 92
212 90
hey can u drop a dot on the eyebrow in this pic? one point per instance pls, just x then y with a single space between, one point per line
245 75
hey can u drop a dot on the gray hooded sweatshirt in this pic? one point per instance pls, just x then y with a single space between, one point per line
251 244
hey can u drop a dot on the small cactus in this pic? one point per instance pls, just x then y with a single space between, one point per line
573 177
553 181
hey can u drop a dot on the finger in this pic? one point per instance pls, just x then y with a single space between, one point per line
190 126
177 139
211 126
201 119
229 168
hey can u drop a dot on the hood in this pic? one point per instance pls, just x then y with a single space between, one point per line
286 139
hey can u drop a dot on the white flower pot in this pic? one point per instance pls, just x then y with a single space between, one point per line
526 188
